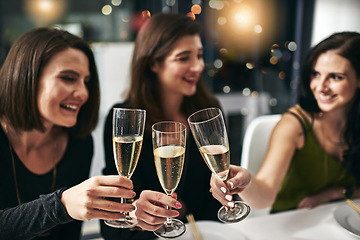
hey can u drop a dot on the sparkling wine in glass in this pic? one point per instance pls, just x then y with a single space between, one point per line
169 141
209 131
128 131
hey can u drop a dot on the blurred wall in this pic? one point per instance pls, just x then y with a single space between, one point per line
113 61
333 16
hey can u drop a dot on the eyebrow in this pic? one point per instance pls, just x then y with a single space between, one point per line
87 77
341 73
186 52
70 72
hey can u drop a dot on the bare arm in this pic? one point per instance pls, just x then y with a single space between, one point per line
260 191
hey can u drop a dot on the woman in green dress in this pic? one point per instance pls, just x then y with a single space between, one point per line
314 151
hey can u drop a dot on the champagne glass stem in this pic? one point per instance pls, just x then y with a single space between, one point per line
126 214
168 220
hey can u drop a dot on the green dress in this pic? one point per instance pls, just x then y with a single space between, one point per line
311 170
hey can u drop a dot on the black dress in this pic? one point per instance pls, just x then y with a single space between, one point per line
192 191
41 210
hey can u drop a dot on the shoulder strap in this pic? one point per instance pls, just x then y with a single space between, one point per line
301 120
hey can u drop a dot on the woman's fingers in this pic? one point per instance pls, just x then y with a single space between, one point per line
87 200
221 192
154 203
111 180
238 179
151 209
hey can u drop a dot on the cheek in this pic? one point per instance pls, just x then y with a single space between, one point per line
202 65
349 91
313 85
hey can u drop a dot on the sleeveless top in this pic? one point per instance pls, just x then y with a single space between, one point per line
311 170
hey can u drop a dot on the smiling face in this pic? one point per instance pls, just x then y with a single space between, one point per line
62 87
333 82
182 67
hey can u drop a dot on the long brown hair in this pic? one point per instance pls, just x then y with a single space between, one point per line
20 73
347 45
154 41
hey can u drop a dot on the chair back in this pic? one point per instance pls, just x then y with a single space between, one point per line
254 148
256 141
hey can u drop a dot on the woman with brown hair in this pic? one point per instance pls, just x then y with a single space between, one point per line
166 81
49 103
314 151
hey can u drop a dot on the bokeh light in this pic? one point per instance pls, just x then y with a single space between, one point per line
218 63
191 15
145 14
282 75
45 12
116 2
274 60
226 89
196 9
221 20
292 46
249 65
258 28
106 10
170 2
246 92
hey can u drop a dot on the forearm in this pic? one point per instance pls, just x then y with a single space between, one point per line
33 218
258 194
336 193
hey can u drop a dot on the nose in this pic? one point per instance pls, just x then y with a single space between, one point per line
197 65
323 84
81 91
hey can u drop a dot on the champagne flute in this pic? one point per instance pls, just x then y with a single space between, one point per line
169 141
127 134
209 131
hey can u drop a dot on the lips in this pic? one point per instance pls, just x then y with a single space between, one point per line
326 97
190 79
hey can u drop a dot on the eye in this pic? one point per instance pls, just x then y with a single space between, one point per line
314 74
200 56
183 59
68 78
336 76
87 81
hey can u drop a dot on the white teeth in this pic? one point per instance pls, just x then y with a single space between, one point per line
323 97
72 107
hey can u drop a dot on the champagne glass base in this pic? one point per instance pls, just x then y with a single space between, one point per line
232 215
173 230
127 222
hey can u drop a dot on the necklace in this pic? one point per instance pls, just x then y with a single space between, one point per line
15 177
45 234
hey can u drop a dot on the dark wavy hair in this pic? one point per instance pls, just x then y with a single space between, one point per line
20 75
153 43
347 45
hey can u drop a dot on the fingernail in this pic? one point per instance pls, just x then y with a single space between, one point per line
177 214
178 205
134 194
132 208
228 197
231 204
223 189
231 184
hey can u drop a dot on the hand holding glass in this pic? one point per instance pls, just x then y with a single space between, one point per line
209 131
128 131
169 141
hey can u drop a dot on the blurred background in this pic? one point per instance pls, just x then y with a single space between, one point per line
253 48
